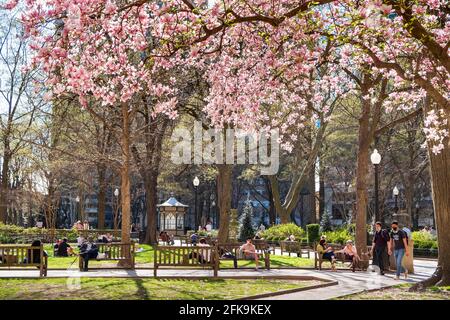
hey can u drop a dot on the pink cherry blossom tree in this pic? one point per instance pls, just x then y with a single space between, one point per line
110 51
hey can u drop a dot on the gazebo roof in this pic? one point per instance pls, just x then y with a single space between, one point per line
172 202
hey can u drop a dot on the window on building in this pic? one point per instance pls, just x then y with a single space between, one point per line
170 221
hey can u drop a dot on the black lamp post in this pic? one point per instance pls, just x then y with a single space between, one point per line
395 192
196 183
78 210
375 158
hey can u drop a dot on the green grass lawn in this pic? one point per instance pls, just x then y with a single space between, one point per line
401 292
138 289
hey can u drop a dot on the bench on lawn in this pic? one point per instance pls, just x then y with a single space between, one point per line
22 255
340 257
262 249
186 240
295 247
114 251
186 256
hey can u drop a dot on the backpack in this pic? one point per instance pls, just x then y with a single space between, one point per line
406 236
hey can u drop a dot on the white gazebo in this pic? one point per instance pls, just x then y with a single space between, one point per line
171 216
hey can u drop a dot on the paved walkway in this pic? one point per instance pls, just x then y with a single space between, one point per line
348 282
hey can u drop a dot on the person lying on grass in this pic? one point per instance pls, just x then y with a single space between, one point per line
249 251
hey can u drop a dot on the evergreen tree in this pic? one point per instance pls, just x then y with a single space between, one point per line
247 230
325 222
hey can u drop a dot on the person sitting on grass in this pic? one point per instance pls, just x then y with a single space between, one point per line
64 248
327 253
350 254
249 251
55 247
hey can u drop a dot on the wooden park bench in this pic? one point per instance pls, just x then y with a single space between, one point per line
22 255
295 247
114 251
340 257
262 249
186 256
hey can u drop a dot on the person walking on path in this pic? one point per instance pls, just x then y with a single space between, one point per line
381 242
399 241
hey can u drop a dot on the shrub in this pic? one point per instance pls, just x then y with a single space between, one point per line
339 236
6 239
422 236
423 244
282 231
10 229
424 240
312 232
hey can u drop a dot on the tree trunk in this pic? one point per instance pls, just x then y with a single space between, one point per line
440 177
276 196
272 214
440 187
101 207
151 199
125 178
4 189
362 171
224 190
409 197
310 199
321 191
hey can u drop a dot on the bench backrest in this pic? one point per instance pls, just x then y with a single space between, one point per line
21 255
290 246
116 250
184 255
260 244
235 248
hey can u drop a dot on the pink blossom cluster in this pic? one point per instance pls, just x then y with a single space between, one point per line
436 129
264 60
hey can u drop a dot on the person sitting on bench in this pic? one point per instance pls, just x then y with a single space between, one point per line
194 238
249 251
350 254
34 255
201 257
225 254
88 250
327 253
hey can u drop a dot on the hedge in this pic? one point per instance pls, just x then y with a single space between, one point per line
282 231
313 232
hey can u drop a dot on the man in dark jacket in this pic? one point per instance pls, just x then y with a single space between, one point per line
381 242
62 248
88 250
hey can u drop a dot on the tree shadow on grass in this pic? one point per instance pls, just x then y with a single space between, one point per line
141 292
